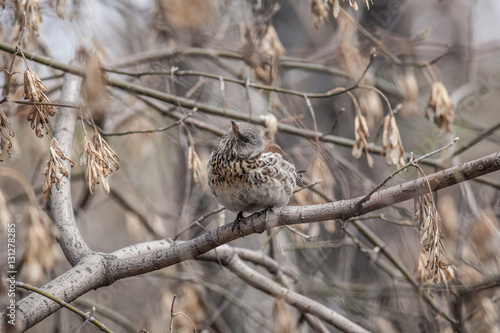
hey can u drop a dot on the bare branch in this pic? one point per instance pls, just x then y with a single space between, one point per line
71 240
207 108
343 209
98 270
87 317
302 303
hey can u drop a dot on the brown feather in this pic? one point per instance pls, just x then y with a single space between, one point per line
272 147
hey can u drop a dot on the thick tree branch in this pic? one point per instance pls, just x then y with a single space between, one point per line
85 316
88 274
71 240
343 209
98 270
101 270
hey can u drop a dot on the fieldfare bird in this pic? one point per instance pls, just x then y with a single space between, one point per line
247 173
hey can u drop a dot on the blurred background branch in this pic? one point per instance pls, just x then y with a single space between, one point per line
351 90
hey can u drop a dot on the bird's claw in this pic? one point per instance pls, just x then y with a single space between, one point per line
239 218
266 211
236 223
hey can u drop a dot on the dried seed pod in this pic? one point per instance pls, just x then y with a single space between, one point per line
391 142
35 90
197 167
361 135
440 103
319 9
433 264
54 170
271 123
409 86
97 155
260 51
6 133
41 254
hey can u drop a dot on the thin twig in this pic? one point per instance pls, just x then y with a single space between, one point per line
249 100
89 314
173 314
404 167
44 103
125 323
384 218
161 129
375 240
17 48
301 234
477 139
141 217
373 55
423 157
313 116
197 222
306 186
386 51
68 306
206 108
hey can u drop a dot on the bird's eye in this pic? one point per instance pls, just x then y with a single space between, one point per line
245 140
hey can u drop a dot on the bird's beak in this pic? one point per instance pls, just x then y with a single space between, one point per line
236 129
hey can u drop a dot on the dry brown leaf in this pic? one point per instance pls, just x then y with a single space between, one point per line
54 170
5 216
283 318
198 169
485 237
35 90
442 107
261 51
319 8
391 142
61 8
361 136
94 89
99 158
433 264
409 86
371 106
33 14
6 133
271 123
41 252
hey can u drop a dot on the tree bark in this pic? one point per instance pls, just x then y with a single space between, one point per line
98 269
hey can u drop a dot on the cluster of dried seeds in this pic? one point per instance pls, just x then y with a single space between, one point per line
99 158
440 103
35 91
433 266
320 8
361 136
409 87
196 166
261 50
54 170
40 253
6 133
391 142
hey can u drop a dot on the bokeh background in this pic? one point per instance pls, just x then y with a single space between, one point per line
187 48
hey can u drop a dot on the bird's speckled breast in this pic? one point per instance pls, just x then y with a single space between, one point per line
251 185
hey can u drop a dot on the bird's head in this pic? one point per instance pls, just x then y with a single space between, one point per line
246 139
